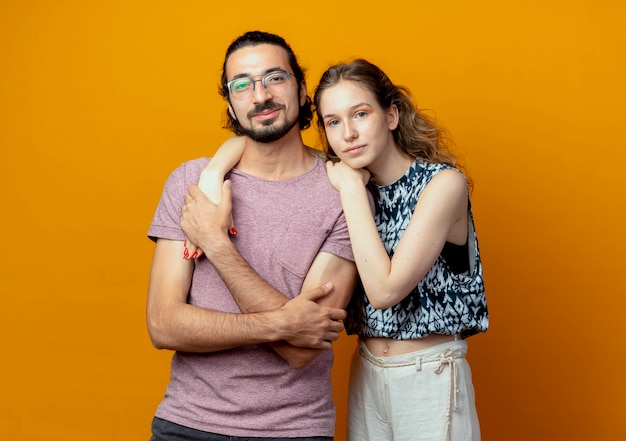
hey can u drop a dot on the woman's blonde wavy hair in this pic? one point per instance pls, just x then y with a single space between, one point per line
417 134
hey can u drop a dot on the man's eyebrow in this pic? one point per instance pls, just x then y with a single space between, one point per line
248 75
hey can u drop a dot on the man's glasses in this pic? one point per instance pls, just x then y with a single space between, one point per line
273 82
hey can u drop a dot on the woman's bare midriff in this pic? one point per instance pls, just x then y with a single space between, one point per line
385 347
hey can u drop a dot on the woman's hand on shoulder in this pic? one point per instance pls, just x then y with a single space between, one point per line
342 175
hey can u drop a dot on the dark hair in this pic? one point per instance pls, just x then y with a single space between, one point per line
417 134
255 38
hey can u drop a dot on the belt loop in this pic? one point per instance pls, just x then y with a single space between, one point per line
418 363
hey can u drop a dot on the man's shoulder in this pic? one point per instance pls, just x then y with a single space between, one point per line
317 153
319 175
196 164
191 169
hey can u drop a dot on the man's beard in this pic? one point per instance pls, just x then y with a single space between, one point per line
271 131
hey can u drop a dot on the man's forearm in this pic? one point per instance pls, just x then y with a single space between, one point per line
188 328
249 290
253 294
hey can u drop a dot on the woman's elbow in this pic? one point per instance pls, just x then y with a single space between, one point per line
301 358
384 300
298 364
379 304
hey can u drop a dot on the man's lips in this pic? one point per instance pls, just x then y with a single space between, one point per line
266 114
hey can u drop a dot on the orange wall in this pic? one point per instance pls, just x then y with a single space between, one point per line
99 101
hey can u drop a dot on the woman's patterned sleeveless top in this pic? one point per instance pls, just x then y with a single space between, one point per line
443 302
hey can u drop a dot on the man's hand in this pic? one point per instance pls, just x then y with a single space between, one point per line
211 185
203 221
310 325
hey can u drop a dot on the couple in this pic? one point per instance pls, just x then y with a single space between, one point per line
250 290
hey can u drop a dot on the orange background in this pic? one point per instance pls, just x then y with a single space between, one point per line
99 101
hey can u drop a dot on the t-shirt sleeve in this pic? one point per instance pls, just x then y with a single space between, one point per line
166 221
338 241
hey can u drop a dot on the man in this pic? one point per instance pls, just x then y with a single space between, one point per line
253 355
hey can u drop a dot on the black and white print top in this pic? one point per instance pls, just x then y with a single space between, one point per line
443 302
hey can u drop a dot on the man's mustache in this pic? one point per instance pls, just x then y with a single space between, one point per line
269 105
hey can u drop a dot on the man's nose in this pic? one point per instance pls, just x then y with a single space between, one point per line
261 94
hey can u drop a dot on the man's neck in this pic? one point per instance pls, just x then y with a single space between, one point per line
280 160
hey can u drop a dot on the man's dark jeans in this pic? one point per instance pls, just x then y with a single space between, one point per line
163 430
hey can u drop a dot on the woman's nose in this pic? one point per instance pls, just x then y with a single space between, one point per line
350 132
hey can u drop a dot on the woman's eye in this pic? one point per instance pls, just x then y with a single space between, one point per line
361 114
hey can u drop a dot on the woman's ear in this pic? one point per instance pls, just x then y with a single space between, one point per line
393 117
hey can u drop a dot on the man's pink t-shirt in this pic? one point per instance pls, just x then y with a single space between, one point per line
251 391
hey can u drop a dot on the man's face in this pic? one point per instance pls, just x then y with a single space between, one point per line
265 115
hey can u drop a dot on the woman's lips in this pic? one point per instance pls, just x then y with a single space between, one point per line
354 150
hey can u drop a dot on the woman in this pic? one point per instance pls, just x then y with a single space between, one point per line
421 291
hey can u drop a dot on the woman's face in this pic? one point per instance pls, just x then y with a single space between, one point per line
357 128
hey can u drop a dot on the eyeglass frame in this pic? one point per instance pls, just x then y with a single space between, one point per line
252 79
